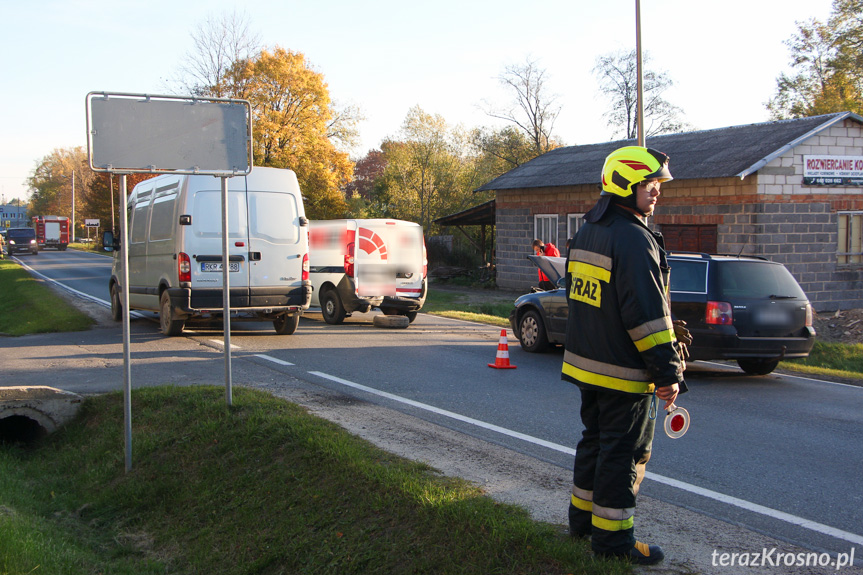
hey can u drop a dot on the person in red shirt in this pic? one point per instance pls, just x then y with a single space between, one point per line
543 249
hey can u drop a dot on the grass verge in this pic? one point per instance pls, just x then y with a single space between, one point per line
261 487
29 306
452 305
833 359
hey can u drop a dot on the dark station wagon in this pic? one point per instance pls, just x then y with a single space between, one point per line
742 308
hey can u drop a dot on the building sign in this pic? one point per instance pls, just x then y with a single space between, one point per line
833 170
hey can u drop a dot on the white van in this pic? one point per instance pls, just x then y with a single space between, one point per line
175 250
360 264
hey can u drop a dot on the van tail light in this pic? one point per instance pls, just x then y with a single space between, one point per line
349 257
718 313
184 267
425 260
305 276
809 314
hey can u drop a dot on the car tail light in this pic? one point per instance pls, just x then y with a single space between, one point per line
809 318
718 313
305 276
184 267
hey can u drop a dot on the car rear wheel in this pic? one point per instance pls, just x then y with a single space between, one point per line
286 324
169 323
531 333
331 307
757 366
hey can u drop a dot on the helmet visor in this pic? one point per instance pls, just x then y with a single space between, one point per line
663 174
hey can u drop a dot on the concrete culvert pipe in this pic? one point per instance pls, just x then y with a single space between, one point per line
30 412
20 429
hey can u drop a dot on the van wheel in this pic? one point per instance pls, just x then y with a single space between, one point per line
331 307
116 306
169 323
531 333
286 324
757 366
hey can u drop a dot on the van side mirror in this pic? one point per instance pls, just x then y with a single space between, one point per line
304 221
109 242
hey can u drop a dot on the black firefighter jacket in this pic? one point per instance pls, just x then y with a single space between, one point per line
619 335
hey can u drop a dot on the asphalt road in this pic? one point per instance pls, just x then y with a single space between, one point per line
779 455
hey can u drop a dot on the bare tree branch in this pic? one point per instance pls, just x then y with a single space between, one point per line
532 109
218 44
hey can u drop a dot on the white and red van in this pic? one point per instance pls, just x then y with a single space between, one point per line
361 264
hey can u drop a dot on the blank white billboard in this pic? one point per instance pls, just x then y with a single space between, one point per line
133 133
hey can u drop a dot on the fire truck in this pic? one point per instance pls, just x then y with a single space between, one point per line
51 231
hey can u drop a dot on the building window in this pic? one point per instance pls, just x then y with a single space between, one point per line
573 224
545 228
850 248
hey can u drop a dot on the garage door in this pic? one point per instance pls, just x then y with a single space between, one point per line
690 238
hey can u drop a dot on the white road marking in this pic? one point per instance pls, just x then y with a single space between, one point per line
716 496
273 359
221 344
74 291
732 368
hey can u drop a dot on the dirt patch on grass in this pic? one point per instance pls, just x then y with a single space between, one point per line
840 326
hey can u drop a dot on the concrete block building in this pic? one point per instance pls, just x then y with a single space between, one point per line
790 191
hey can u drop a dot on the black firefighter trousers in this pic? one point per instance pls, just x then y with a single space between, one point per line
609 466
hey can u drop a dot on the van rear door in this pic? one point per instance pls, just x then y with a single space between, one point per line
388 256
205 245
277 245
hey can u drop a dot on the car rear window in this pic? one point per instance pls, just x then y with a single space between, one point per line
688 276
757 280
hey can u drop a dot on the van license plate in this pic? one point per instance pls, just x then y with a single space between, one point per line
217 266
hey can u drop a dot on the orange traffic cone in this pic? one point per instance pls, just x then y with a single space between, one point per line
501 360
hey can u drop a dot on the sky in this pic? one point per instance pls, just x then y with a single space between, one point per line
386 56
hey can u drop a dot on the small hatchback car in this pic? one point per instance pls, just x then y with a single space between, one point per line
744 308
21 240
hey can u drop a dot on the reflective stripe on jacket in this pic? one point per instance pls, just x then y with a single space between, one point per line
619 335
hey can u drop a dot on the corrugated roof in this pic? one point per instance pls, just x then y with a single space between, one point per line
720 153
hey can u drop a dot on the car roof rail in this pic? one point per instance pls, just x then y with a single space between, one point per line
707 256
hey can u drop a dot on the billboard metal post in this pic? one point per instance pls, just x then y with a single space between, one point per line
124 304
226 293
141 133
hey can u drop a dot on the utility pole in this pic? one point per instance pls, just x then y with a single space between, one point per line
72 239
640 103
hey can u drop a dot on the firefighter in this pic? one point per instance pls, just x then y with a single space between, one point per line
620 350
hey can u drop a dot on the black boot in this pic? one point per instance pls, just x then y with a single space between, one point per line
640 554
